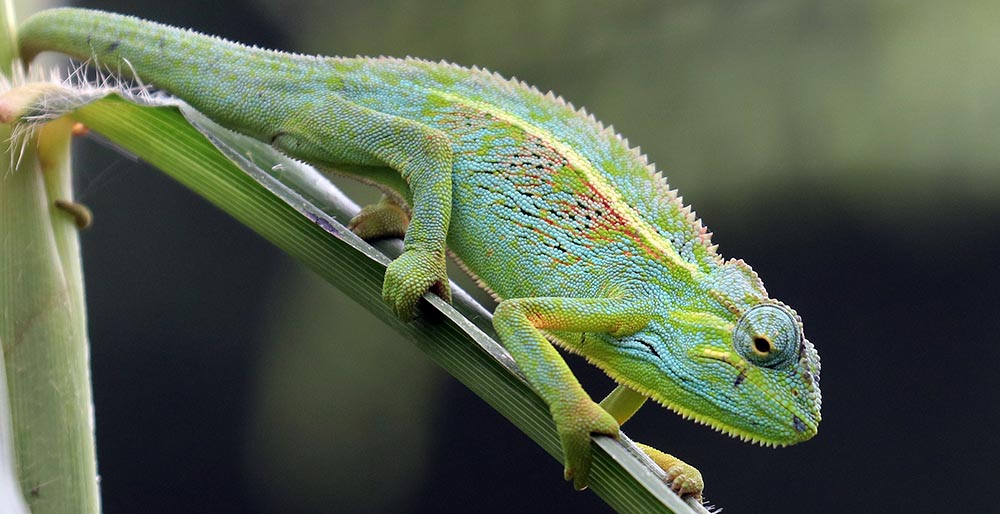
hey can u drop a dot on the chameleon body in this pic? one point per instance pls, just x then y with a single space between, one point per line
577 235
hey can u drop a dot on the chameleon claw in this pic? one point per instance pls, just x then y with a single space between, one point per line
410 276
575 428
685 480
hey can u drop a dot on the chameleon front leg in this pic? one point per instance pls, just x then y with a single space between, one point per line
519 322
683 478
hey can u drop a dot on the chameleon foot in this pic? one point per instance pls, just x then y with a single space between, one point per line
575 427
384 219
410 276
682 477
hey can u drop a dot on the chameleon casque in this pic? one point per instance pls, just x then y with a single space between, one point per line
577 235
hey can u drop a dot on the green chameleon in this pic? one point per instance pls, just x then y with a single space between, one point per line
577 235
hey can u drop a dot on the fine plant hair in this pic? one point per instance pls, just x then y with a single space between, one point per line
86 82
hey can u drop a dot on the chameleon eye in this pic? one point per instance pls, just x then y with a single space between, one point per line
767 335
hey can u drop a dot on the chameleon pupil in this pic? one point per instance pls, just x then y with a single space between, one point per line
762 345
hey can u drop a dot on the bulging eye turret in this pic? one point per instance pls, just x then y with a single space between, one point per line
768 335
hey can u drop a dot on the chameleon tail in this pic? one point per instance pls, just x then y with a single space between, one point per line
192 66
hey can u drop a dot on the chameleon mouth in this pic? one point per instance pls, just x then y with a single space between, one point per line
729 430
801 425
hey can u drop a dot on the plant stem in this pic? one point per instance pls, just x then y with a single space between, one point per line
43 326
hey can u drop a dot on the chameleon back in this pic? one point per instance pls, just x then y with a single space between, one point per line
577 211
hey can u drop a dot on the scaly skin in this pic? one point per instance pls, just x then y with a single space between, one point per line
578 236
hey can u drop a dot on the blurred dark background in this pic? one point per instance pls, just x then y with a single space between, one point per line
847 150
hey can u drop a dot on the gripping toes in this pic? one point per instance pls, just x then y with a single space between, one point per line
410 276
685 480
384 219
682 477
575 427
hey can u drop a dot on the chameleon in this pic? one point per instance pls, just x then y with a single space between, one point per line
576 234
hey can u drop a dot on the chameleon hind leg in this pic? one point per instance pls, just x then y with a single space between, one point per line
369 140
423 157
519 323
683 478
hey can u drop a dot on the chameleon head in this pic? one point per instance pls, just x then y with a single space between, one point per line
739 363
781 368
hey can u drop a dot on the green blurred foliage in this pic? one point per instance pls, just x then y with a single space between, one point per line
870 98
344 410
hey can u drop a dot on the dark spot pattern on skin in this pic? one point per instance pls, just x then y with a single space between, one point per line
799 425
114 46
739 378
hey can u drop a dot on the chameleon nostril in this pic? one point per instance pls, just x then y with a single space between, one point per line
798 424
